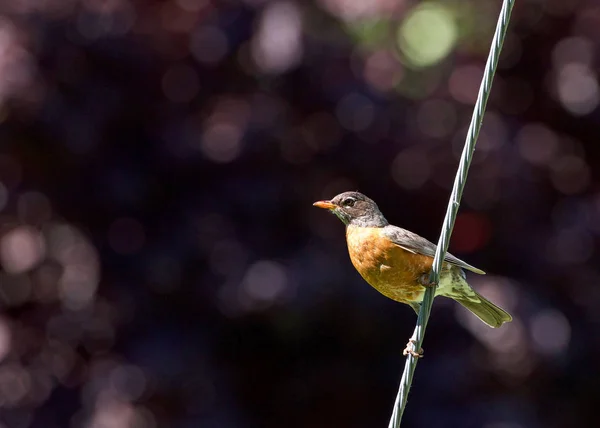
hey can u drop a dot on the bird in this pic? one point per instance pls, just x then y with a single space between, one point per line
397 262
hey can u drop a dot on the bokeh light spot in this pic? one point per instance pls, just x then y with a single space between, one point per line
15 384
175 18
411 169
21 249
577 88
573 50
277 46
265 281
550 331
537 143
221 142
464 83
428 34
355 11
209 45
80 266
382 70
193 5
128 381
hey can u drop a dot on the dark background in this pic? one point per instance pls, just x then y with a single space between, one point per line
162 265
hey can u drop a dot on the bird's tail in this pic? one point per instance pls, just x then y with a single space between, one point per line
485 310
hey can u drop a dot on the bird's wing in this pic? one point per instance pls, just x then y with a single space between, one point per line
415 244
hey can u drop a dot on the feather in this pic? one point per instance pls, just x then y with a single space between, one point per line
412 242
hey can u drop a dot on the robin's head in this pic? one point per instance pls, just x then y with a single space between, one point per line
354 209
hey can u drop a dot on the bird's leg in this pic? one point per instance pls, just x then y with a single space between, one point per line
425 281
410 349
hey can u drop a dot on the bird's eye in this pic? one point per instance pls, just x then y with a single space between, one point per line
348 202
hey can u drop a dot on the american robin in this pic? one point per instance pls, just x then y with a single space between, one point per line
397 262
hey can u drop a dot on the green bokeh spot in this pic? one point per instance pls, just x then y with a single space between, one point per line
427 35
371 32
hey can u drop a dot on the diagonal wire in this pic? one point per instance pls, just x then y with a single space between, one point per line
453 204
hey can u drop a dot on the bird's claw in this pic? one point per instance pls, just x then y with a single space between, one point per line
425 281
410 349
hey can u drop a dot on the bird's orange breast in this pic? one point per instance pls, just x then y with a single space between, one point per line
390 269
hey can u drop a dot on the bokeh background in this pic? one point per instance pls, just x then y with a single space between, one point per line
162 265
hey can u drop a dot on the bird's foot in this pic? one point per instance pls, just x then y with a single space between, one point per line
410 349
425 281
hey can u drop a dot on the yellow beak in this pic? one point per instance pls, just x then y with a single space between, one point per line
328 205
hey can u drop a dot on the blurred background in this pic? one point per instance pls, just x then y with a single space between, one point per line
162 265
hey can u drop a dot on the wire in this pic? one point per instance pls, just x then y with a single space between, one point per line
457 191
